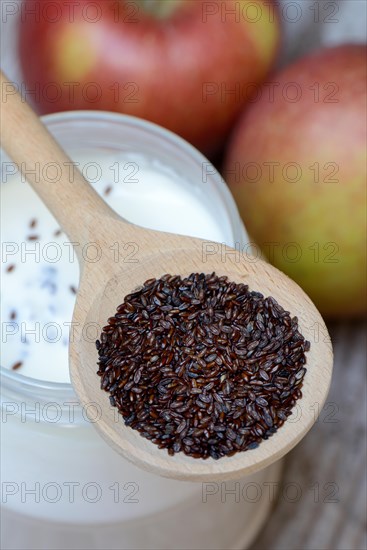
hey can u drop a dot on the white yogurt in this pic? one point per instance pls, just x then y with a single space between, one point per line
40 270
113 504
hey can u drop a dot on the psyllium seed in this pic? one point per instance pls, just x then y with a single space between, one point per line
202 365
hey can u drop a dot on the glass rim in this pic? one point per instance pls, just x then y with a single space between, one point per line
27 384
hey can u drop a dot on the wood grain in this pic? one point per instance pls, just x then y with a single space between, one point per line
332 514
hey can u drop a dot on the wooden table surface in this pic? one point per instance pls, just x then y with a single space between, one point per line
322 500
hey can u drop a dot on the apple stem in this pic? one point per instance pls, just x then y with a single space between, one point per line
161 9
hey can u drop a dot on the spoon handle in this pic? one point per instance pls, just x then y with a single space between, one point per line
74 203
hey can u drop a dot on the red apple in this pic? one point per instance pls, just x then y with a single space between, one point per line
297 168
187 65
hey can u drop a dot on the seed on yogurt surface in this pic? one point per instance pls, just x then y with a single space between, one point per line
202 365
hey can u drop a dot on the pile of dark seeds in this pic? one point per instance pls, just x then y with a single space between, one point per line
202 365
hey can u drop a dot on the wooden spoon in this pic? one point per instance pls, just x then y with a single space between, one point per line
86 219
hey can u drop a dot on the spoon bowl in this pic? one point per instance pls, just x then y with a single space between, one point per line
191 257
106 278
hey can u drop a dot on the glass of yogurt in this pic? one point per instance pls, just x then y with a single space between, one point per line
62 486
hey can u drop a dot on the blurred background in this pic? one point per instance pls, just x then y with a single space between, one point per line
274 94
